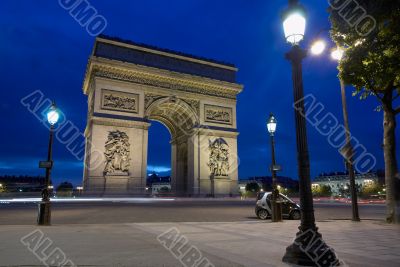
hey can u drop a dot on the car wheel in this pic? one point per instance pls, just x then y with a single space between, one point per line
295 215
262 214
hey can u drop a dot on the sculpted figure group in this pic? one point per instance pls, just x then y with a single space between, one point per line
219 157
117 153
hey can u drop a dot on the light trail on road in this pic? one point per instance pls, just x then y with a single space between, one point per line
69 200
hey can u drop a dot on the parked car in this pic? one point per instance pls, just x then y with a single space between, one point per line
290 209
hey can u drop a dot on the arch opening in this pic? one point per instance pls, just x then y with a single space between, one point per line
158 158
180 119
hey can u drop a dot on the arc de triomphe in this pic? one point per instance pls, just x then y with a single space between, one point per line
128 85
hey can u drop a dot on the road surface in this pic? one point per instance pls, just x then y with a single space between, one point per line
166 211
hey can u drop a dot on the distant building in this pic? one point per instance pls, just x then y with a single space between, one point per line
22 183
158 184
339 181
160 188
155 178
266 183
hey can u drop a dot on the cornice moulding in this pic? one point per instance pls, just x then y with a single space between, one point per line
111 69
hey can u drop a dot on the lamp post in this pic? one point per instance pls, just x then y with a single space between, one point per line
347 151
308 237
276 215
44 217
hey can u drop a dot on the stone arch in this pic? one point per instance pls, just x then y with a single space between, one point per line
178 116
180 119
128 85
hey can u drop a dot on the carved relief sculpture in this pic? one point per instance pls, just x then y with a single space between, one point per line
218 114
117 154
119 101
219 157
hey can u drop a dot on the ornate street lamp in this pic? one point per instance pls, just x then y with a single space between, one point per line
44 217
294 22
271 124
308 248
318 47
276 215
337 54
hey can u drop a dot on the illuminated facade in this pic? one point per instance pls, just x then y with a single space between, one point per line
129 85
340 181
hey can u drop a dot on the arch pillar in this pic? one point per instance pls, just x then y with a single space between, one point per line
205 183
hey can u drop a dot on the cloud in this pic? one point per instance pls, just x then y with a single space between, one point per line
5 166
158 169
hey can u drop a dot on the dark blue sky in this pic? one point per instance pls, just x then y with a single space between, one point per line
43 47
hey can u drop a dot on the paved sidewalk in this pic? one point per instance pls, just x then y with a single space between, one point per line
255 243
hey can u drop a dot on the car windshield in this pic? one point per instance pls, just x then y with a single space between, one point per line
260 195
281 198
284 198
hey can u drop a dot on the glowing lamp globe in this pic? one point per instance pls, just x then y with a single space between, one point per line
53 115
318 47
294 22
271 124
337 54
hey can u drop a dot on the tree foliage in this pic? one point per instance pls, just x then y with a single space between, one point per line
371 63
322 191
371 189
65 187
252 187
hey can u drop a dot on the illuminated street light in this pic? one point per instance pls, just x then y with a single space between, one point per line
53 115
337 54
44 216
294 23
318 47
271 124
276 215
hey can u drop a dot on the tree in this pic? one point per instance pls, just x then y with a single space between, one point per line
253 187
372 65
371 189
65 186
65 189
344 191
322 191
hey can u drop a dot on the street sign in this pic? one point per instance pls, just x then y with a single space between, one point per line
45 164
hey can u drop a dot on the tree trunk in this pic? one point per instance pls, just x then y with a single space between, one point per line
392 178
